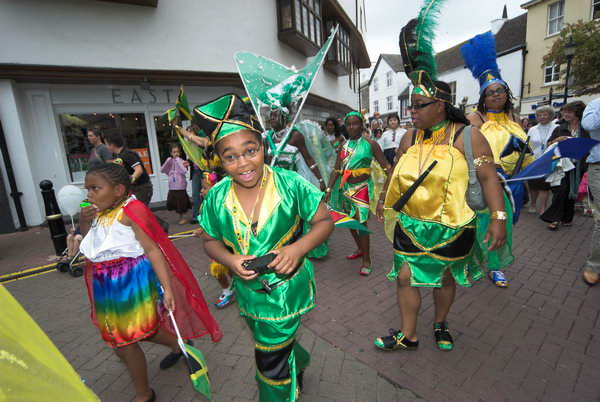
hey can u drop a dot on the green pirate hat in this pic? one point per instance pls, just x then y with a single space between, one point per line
225 116
271 86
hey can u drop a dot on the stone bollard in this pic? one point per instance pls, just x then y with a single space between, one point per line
58 232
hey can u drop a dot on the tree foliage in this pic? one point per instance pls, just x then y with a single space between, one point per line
585 78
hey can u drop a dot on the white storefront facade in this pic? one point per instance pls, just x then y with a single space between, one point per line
63 70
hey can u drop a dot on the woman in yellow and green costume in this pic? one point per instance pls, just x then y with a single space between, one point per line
435 239
254 211
498 122
351 186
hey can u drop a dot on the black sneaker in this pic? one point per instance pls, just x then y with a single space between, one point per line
172 358
395 341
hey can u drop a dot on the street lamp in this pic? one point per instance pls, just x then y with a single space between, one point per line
569 54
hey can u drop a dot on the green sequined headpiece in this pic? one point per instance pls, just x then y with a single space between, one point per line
353 113
225 116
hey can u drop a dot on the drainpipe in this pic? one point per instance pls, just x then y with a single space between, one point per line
522 79
14 191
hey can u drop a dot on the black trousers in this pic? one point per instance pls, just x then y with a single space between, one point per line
562 208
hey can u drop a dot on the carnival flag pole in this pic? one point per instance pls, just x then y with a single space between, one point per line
271 85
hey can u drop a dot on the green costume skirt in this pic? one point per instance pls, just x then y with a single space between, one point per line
429 248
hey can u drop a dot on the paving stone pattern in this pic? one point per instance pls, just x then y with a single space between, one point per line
537 340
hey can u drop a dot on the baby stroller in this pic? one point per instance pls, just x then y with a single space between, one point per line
71 260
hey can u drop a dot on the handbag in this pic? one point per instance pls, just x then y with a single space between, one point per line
475 199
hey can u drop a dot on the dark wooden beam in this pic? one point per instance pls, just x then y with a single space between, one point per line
146 3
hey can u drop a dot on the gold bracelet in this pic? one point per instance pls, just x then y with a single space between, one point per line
482 159
498 215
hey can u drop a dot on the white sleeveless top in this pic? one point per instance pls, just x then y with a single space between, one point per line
110 241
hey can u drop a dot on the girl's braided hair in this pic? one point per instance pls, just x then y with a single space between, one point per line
115 174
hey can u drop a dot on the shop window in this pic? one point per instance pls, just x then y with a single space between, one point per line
132 126
555 17
595 9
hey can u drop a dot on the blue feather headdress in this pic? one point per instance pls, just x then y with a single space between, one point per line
479 55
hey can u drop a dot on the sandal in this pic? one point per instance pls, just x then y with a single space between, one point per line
365 271
354 255
443 339
395 341
499 279
553 226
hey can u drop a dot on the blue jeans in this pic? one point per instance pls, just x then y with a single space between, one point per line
196 198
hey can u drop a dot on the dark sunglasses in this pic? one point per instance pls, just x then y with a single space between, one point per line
420 106
498 91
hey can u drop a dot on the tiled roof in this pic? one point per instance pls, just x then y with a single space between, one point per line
510 37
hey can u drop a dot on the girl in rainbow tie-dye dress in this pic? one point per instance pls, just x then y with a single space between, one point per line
135 276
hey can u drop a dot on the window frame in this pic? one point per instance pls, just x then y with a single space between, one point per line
390 103
389 77
376 106
452 85
375 84
549 21
552 73
595 3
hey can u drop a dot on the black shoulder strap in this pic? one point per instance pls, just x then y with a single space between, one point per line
414 137
458 133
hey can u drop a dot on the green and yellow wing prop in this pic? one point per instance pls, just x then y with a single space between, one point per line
31 367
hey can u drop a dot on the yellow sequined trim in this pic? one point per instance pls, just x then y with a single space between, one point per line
439 257
288 235
280 346
442 244
483 159
272 382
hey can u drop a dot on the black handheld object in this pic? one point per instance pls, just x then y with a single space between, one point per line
259 265
398 205
519 164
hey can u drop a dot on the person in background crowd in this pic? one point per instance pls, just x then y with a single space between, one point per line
525 124
100 153
408 125
562 208
391 137
342 127
141 186
196 175
377 136
591 122
377 122
177 198
558 119
538 139
334 133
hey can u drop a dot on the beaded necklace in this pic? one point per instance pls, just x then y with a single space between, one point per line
243 240
106 217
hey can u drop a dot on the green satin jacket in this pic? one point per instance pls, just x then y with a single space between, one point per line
288 201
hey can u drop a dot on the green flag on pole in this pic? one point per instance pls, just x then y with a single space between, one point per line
183 106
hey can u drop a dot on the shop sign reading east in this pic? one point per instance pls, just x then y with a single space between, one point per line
142 96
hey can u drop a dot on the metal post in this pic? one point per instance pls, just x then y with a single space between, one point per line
567 79
54 217
12 182
550 95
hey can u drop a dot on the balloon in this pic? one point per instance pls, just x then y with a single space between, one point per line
69 197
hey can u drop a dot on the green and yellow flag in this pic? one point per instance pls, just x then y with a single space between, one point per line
171 114
183 106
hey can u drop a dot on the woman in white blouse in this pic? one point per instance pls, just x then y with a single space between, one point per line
539 135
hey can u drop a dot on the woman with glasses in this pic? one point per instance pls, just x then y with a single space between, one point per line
435 234
257 212
498 122
352 184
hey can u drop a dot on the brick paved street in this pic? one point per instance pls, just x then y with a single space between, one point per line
536 340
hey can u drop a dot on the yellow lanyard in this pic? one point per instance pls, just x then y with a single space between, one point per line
244 240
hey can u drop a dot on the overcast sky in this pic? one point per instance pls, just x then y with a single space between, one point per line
460 20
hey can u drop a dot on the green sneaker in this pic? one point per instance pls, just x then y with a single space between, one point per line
395 341
443 339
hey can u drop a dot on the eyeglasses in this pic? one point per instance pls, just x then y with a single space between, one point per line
420 106
232 159
498 91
